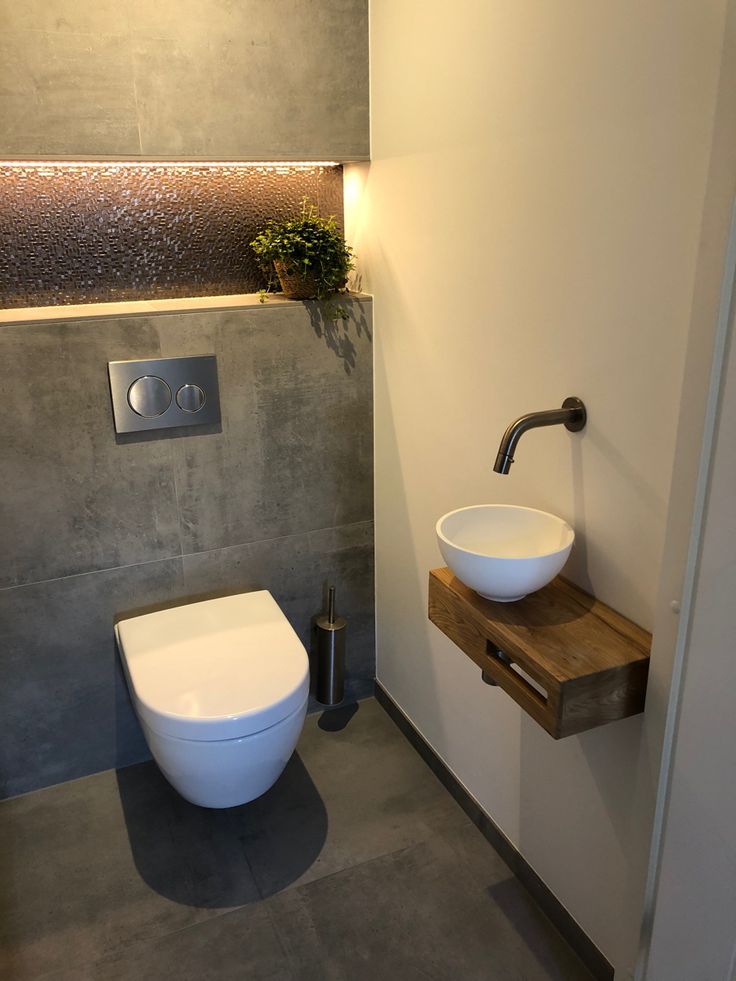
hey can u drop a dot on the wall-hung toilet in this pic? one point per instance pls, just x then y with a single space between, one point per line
220 688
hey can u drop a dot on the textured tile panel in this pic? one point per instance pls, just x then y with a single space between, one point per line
83 234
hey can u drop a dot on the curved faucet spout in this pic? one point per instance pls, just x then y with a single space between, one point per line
572 416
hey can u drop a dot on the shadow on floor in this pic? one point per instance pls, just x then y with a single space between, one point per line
337 719
534 930
225 858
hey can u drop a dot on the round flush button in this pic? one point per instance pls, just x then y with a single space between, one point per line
149 396
190 398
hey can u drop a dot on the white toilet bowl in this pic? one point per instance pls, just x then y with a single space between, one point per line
220 689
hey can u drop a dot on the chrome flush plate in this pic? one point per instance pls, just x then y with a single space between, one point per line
164 393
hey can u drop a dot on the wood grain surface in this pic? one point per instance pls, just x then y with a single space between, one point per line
590 661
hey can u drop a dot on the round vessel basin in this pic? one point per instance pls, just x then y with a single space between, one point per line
503 551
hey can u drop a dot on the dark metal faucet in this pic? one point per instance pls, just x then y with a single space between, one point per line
572 416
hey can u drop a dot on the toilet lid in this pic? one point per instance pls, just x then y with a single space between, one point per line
218 669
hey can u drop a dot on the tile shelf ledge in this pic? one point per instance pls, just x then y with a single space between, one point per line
571 662
145 308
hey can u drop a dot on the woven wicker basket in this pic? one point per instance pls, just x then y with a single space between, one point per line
294 284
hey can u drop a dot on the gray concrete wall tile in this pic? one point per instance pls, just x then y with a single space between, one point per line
93 527
345 558
296 449
63 93
250 80
73 499
64 706
298 570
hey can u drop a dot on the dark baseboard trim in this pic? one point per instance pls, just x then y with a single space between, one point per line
550 905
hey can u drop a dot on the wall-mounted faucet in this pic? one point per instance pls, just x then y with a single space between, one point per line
572 416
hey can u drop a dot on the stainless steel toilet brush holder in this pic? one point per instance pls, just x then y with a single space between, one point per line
330 630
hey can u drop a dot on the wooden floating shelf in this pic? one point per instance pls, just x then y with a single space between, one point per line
569 660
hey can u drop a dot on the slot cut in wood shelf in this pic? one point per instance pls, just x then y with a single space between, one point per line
568 660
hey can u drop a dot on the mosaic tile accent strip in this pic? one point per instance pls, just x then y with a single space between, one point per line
101 232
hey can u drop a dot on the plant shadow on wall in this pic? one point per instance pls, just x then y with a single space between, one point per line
335 332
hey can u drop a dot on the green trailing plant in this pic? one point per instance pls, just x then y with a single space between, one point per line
308 256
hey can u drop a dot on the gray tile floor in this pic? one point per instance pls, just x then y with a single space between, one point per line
357 863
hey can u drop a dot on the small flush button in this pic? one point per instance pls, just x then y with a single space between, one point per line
190 398
149 396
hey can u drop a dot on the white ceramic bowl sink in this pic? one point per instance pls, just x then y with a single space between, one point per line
503 551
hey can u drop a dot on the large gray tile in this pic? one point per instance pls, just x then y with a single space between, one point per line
97 864
314 407
377 796
247 80
429 911
74 499
64 93
365 861
426 912
242 948
202 857
94 865
296 449
253 80
64 707
298 570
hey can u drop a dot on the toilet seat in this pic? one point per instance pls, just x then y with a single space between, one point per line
214 670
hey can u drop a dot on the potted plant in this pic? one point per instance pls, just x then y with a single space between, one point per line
308 255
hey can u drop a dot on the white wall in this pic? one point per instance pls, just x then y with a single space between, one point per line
690 903
694 923
529 226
